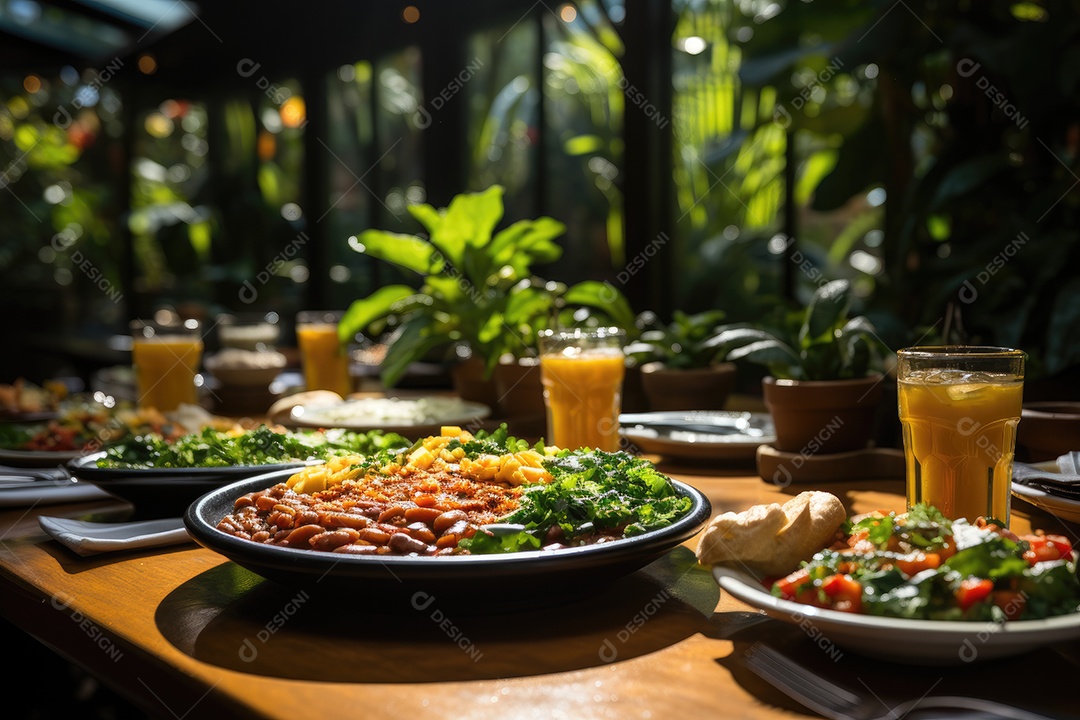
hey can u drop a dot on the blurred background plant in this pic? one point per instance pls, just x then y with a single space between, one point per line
926 155
823 341
959 141
682 343
478 294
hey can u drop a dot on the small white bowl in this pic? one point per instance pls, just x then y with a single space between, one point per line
229 367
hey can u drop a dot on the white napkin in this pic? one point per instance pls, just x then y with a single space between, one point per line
91 538
1063 483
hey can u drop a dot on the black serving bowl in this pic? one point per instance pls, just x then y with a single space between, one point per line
165 492
482 582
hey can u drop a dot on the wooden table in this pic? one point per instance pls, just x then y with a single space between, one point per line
183 632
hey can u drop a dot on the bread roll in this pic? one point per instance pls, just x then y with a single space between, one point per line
773 539
281 411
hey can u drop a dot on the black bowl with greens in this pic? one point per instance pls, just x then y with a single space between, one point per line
161 478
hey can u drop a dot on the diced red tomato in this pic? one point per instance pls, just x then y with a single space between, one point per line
917 562
1046 548
973 590
789 586
947 550
844 592
1011 602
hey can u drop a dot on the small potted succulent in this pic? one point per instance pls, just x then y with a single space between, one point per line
826 377
681 369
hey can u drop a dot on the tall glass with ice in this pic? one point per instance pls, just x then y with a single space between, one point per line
959 409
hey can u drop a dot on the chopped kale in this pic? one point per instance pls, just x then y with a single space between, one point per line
591 492
261 446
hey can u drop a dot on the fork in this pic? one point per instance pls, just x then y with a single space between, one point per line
21 477
837 703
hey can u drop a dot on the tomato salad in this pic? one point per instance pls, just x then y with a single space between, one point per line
920 564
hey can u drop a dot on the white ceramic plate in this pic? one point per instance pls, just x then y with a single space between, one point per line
699 434
406 415
921 642
1056 505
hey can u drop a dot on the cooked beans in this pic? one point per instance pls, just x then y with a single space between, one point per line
447 520
413 513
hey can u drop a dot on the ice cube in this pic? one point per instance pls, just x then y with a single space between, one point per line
964 392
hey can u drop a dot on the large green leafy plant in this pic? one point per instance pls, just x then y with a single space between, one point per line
820 342
682 343
969 128
477 287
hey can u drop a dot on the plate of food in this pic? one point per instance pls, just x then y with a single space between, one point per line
470 519
416 414
699 434
162 476
24 401
913 587
79 429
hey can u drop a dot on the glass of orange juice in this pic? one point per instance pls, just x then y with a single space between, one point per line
323 357
582 372
959 409
166 358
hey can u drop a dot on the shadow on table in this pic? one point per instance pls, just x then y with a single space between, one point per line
1041 681
234 619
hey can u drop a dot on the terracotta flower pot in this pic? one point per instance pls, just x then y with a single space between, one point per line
634 399
692 389
467 377
518 390
823 416
1047 430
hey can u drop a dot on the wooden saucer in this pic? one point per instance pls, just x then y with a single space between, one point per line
785 468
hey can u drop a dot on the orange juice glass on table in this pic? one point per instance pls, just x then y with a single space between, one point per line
323 357
166 359
582 372
959 409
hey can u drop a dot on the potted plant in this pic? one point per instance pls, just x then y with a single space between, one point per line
825 381
680 368
478 300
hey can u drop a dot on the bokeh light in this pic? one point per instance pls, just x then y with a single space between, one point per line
410 14
694 45
266 146
147 64
157 125
293 112
291 212
31 83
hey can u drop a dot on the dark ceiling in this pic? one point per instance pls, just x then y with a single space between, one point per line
199 45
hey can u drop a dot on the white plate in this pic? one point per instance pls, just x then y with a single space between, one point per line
937 642
405 414
1056 505
688 435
